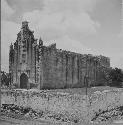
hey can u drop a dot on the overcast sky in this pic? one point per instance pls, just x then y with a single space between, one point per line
84 26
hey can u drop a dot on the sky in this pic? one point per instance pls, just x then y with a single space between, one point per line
83 26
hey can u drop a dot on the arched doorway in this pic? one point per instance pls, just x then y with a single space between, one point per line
23 81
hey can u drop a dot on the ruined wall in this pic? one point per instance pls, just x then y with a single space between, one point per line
49 67
60 68
11 62
65 69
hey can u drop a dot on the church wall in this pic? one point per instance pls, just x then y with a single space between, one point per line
64 69
52 68
49 67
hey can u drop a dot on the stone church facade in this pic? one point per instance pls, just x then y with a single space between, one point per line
32 64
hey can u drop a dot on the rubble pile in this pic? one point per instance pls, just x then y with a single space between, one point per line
27 113
19 111
109 115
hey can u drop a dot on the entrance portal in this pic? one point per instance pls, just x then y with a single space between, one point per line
23 81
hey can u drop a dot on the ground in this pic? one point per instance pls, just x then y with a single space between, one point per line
11 121
82 91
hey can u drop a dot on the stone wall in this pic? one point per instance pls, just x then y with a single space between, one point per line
65 69
49 67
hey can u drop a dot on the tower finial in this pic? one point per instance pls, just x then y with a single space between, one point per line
11 46
40 41
25 24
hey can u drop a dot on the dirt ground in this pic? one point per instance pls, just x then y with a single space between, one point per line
82 91
12 121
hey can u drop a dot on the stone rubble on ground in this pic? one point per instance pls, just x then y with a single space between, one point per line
113 114
64 107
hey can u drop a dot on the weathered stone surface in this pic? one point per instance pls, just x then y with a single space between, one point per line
49 67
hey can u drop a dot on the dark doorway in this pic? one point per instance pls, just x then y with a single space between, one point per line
23 81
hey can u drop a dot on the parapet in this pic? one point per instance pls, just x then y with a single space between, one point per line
101 60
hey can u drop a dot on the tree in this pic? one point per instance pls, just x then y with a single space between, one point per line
116 75
4 78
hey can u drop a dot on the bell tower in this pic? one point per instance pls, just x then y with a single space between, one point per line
24 58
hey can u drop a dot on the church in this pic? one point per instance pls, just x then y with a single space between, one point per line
34 65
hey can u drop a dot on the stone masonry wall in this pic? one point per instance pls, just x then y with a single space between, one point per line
64 69
49 67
